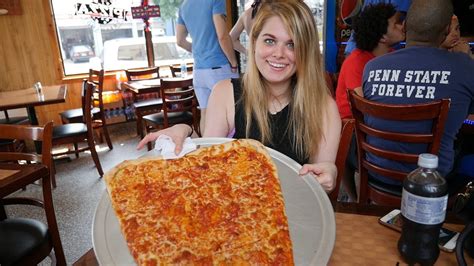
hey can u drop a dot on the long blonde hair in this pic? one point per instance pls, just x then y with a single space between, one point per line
309 97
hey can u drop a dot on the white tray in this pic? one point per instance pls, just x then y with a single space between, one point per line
310 217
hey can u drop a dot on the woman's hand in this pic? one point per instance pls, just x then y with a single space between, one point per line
325 173
178 133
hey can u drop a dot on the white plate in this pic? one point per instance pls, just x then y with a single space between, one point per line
310 217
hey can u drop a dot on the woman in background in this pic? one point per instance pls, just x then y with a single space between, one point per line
453 41
244 23
282 100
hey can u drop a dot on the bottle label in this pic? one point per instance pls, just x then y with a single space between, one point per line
424 210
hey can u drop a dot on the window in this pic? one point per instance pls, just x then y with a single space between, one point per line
113 43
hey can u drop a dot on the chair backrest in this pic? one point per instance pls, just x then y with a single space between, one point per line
149 73
89 88
29 133
175 69
178 96
97 77
436 111
341 157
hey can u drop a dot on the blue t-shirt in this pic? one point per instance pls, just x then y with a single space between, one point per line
400 6
196 16
417 75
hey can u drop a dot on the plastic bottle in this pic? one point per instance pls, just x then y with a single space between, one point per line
424 202
184 69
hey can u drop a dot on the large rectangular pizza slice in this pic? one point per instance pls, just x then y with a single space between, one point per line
219 205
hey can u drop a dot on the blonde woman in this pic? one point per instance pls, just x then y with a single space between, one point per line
282 100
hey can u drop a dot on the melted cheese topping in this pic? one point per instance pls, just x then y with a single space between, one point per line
220 206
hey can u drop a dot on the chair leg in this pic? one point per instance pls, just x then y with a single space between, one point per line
139 124
95 156
76 147
148 129
52 173
107 137
52 223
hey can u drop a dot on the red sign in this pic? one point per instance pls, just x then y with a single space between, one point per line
144 12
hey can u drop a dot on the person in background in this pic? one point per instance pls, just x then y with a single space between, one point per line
244 23
453 41
282 100
376 29
214 57
400 5
419 73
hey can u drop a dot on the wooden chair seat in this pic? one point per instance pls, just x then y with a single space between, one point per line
19 237
69 130
75 115
173 118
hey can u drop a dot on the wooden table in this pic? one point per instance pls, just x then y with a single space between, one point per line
360 239
28 98
142 86
137 87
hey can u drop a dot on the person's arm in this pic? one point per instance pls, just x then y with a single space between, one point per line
322 163
224 39
332 133
181 34
220 110
235 35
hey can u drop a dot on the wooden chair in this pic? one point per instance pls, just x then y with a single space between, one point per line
99 122
26 241
176 69
149 106
341 157
179 106
371 190
79 132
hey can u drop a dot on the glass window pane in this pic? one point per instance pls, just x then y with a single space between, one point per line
118 43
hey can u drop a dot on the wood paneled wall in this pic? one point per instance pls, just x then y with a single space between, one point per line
29 53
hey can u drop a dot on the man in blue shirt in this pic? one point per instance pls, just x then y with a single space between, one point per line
400 5
419 73
213 53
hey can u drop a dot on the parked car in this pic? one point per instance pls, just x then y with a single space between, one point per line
81 53
128 53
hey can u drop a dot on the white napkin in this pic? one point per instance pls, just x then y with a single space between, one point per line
167 146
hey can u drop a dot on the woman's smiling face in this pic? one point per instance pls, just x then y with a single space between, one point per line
274 52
